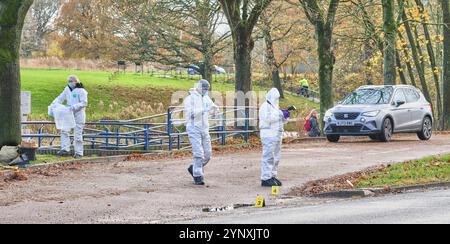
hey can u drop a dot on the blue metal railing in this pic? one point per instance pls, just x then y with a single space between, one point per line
161 131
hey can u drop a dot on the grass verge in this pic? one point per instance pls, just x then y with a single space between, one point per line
427 170
424 171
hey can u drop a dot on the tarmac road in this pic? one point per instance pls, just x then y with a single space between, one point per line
431 207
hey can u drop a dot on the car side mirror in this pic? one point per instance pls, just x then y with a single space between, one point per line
399 103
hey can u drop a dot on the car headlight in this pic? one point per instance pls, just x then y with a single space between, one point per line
371 114
328 115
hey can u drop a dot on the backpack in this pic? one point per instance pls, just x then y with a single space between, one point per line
308 125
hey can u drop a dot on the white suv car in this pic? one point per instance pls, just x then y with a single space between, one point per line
379 112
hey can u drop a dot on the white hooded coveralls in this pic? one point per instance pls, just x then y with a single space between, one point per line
271 125
197 109
78 100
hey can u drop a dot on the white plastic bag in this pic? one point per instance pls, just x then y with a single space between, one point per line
7 154
64 118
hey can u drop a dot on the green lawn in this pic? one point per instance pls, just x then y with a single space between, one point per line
428 170
120 97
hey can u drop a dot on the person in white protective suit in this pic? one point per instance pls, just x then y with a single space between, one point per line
197 108
77 101
271 125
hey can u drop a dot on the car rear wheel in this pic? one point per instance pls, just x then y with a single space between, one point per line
387 131
427 130
333 138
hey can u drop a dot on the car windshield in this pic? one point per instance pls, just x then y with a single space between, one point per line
370 96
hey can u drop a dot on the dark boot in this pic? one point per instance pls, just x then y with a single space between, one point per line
277 181
268 183
198 181
191 170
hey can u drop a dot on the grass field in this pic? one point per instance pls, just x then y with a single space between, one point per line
427 170
121 96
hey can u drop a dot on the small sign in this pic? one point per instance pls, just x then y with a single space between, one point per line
260 202
25 102
275 190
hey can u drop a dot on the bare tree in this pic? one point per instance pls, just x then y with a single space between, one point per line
277 26
242 16
38 25
175 32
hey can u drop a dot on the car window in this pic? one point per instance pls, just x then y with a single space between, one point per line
400 96
411 96
370 96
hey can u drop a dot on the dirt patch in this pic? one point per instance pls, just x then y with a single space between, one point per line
336 183
16 176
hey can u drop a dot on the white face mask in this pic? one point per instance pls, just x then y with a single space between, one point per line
72 85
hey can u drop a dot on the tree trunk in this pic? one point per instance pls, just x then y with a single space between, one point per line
243 60
408 62
277 82
446 66
12 15
272 62
419 49
324 25
208 69
401 73
390 31
368 54
326 67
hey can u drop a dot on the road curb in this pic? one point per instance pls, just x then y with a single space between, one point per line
401 189
345 194
368 192
306 139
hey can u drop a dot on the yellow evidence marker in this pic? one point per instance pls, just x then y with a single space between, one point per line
15 168
275 190
260 202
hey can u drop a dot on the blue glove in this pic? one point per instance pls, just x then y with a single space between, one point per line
286 114
69 107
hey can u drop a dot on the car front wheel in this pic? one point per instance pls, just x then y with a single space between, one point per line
333 138
427 130
387 131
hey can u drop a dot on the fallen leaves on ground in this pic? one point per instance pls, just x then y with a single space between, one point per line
16 176
335 183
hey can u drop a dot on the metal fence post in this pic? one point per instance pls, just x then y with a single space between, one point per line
107 137
117 138
224 127
146 146
246 134
169 128
40 138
